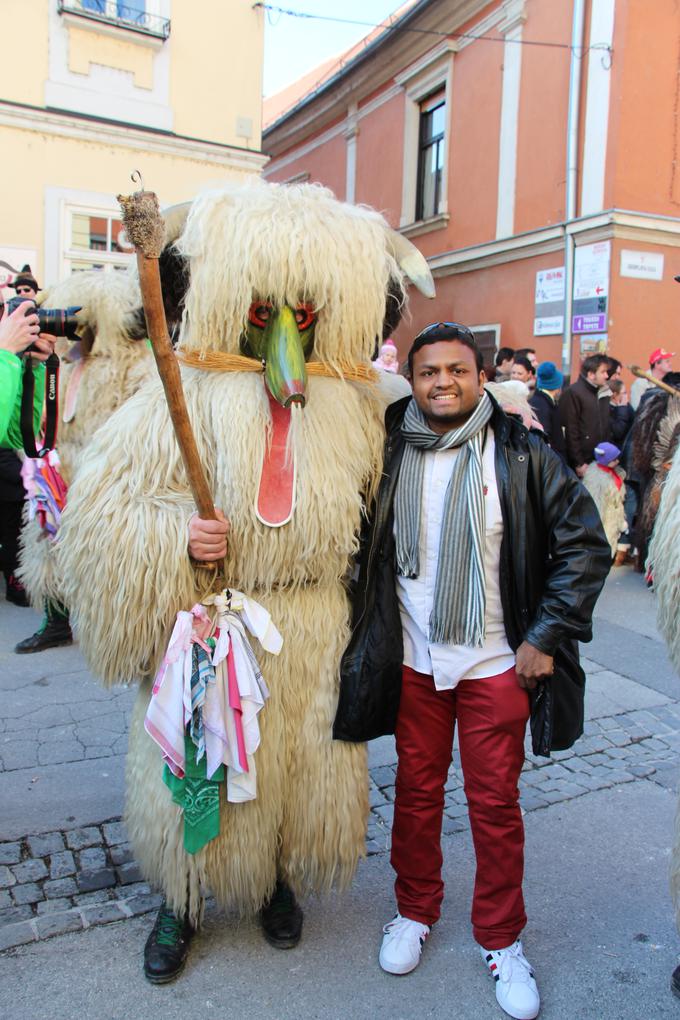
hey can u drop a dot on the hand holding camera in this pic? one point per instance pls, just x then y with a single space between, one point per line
20 329
51 323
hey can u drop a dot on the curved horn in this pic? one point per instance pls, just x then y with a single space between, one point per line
175 216
412 262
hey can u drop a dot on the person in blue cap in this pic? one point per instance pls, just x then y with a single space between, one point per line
544 400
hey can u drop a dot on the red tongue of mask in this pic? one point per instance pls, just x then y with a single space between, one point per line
276 494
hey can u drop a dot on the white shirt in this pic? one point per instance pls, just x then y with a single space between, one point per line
451 663
637 391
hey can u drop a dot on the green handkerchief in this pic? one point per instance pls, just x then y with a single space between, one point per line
198 797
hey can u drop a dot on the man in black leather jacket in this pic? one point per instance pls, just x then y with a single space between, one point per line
544 568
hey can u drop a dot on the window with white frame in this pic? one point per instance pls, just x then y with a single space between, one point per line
94 239
427 88
431 156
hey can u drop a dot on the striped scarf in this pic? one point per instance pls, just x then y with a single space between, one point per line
460 593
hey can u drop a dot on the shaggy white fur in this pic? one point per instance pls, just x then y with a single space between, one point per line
114 368
286 244
664 555
128 579
126 584
609 502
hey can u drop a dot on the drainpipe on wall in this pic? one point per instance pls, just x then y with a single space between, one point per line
577 52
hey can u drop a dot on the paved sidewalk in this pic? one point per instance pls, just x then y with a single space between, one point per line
66 866
600 936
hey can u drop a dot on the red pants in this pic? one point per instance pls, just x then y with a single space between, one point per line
492 714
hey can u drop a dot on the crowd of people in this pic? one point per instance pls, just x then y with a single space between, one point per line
609 437
606 436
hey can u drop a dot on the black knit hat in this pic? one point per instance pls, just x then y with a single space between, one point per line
25 279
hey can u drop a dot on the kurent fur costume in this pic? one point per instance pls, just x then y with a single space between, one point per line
609 501
653 445
128 580
111 367
664 557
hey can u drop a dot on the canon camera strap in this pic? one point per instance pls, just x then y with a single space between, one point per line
51 406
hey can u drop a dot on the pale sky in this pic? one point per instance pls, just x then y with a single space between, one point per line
293 46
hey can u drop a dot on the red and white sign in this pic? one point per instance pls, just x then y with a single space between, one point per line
591 270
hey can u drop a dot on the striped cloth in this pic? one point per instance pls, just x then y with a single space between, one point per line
460 592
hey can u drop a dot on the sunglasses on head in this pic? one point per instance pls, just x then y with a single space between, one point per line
447 331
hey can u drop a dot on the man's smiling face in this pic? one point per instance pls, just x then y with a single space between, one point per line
447 385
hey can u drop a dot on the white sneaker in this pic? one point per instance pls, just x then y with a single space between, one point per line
402 945
516 989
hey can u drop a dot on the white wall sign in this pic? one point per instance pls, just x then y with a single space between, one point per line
591 287
591 271
549 302
642 265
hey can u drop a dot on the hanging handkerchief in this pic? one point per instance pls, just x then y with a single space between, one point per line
206 697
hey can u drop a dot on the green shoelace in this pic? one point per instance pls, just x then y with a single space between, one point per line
169 929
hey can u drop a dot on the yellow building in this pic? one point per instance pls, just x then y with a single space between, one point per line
91 90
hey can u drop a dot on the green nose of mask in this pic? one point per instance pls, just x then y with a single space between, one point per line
282 348
285 369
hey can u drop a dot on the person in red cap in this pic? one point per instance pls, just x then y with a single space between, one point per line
659 364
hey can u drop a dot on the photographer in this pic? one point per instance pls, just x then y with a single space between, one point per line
17 332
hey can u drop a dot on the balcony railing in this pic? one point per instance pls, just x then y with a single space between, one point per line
110 12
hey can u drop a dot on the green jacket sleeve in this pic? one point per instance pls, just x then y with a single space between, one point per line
11 369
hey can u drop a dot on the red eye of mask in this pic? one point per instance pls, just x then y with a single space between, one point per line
259 313
305 316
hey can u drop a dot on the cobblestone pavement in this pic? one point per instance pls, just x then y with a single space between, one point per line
64 881
640 745
60 882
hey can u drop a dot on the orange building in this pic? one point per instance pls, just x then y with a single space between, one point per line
530 148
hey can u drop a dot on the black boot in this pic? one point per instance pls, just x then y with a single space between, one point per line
675 982
167 947
52 632
15 592
281 918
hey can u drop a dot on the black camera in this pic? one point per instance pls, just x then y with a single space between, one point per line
55 321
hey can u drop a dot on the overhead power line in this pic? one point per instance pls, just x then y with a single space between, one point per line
396 27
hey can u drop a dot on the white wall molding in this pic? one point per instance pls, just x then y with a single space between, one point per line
427 61
483 26
511 27
597 108
135 138
513 16
425 226
351 132
612 224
